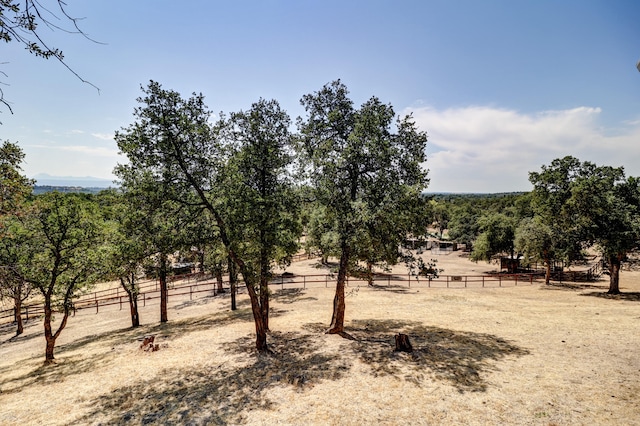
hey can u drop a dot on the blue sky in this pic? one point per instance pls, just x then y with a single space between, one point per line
501 87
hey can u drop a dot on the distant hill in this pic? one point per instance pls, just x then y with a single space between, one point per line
41 189
44 179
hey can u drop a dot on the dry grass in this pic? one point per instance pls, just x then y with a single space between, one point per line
563 354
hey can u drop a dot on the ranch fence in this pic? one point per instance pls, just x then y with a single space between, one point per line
199 285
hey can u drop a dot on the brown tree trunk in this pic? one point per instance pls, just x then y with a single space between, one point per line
370 274
249 279
219 280
261 333
264 288
49 336
261 328
264 301
547 272
17 302
233 283
201 260
614 274
132 294
133 305
48 354
164 292
337 319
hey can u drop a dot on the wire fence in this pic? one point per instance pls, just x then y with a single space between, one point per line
199 285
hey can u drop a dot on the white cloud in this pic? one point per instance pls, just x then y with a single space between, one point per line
96 151
486 149
103 136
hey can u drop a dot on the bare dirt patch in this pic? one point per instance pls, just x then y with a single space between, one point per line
530 354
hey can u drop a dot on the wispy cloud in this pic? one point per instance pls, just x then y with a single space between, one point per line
486 149
96 151
103 136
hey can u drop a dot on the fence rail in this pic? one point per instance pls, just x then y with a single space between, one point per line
196 284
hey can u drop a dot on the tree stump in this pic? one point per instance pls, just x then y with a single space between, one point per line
147 344
403 344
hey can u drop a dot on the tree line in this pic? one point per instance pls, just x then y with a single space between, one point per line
574 206
236 192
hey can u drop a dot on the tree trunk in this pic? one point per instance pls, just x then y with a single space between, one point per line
337 319
264 287
48 354
201 260
233 283
261 334
547 272
17 302
370 274
164 293
264 301
614 274
49 336
133 305
261 328
132 293
219 280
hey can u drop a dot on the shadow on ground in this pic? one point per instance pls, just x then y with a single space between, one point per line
389 288
199 301
31 331
573 286
631 296
457 357
70 362
220 395
290 295
224 393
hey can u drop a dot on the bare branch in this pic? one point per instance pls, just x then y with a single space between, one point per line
21 25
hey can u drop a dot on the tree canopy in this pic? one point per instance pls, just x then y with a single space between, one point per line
62 255
233 170
363 173
585 204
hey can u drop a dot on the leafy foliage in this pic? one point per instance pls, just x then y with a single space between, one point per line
234 171
62 255
363 174
14 187
586 204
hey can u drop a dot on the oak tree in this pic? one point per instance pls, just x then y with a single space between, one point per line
64 255
14 189
225 170
588 205
361 170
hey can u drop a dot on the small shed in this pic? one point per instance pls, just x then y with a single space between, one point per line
511 264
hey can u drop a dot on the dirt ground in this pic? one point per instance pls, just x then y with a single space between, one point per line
527 355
